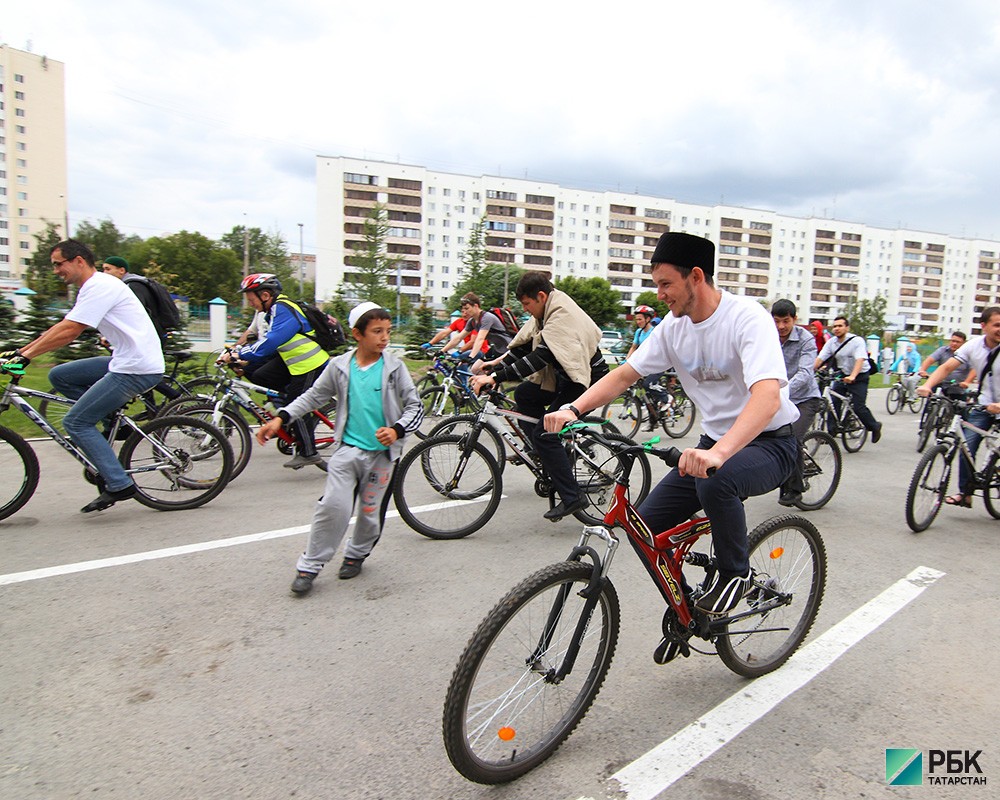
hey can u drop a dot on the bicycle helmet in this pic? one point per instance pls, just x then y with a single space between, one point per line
647 310
260 281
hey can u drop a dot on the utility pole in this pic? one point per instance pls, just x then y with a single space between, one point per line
302 266
246 255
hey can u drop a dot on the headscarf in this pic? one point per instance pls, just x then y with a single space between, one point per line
821 335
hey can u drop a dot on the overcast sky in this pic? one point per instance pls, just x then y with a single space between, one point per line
209 114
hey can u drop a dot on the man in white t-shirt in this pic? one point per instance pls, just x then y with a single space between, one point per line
726 354
848 353
979 354
103 384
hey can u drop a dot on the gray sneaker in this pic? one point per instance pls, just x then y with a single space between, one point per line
298 461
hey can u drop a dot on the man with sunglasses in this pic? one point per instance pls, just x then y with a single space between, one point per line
103 384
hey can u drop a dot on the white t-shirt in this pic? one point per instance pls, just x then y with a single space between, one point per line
974 354
853 349
719 359
106 303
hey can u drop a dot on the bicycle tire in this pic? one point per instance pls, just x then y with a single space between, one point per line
16 458
206 386
53 412
595 474
894 399
680 419
928 424
915 404
928 488
822 467
461 424
197 471
428 504
502 718
854 434
787 555
991 486
231 425
322 432
439 402
626 413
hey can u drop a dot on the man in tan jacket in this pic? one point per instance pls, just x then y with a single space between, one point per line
556 357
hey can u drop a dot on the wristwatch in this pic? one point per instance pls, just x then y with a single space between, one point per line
571 407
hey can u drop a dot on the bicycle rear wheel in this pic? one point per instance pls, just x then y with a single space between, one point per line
928 487
678 418
788 559
447 488
505 712
439 402
991 486
822 463
231 425
184 463
928 424
894 398
19 468
625 412
596 467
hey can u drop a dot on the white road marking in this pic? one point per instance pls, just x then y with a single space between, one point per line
658 769
185 549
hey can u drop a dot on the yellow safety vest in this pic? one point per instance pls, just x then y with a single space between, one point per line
301 354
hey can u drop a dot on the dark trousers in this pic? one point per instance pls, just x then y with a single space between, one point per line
273 374
807 413
858 392
534 401
758 468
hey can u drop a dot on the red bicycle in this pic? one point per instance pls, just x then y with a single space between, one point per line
536 662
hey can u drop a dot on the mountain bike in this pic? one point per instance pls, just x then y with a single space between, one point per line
844 423
229 402
175 462
636 406
938 412
900 395
537 661
929 484
450 485
445 392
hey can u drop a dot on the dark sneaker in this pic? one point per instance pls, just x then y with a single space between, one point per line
877 434
789 498
723 593
303 583
351 568
563 509
667 650
107 498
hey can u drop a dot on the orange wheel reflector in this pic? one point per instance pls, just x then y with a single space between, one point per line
506 733
777 552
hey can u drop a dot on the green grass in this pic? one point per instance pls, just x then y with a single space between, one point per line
36 376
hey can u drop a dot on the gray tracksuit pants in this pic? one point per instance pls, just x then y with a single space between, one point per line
353 477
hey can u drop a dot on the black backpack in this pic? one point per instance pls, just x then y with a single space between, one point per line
324 333
164 313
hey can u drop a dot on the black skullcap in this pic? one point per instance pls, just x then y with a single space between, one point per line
685 250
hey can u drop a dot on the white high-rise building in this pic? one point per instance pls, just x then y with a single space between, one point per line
32 155
932 283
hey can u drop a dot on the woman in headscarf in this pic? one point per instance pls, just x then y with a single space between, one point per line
821 336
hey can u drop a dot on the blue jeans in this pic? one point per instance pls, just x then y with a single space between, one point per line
98 393
760 467
981 419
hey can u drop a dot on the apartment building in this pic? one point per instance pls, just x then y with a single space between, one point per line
932 283
32 155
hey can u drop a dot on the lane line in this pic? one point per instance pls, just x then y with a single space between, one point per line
661 767
186 549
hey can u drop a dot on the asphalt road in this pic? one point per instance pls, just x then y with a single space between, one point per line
189 671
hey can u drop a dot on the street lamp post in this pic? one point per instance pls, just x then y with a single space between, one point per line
302 265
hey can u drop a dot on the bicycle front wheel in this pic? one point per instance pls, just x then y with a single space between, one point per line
597 468
180 463
991 486
788 560
678 418
928 487
506 711
854 434
822 463
462 424
928 425
894 398
19 467
446 487
625 412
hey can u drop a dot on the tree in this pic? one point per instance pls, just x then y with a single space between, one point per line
650 299
268 252
200 268
39 276
373 265
595 296
8 318
474 278
866 316
106 240
490 285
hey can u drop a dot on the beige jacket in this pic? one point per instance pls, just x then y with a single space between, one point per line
569 333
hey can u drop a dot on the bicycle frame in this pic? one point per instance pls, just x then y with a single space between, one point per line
991 440
846 408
